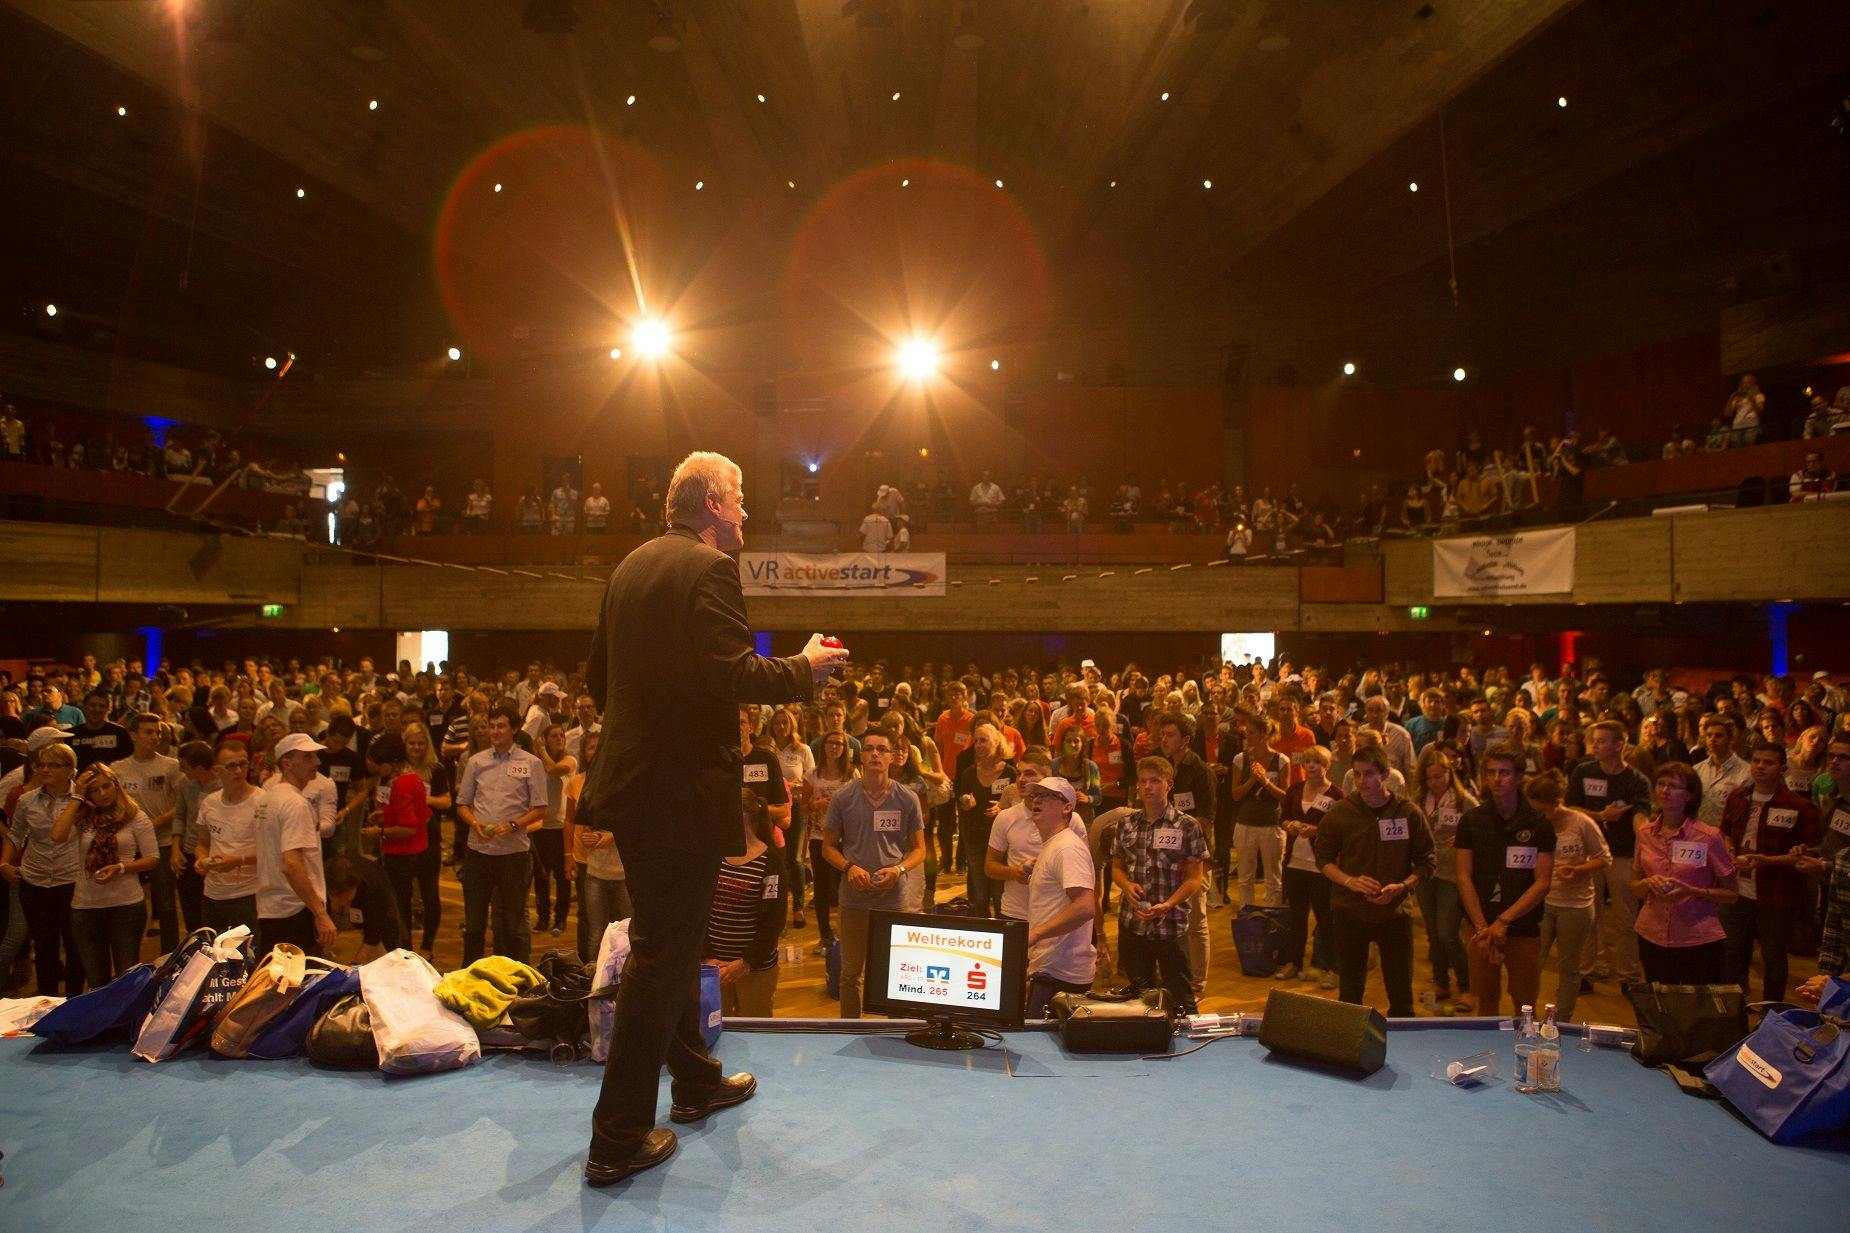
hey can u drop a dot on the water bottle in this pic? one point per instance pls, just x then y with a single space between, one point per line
1527 1045
1548 1055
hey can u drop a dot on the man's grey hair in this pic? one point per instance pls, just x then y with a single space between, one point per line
699 474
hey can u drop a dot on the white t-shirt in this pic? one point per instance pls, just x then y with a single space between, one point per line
1064 864
1014 832
322 796
1578 839
134 841
233 834
284 821
155 785
875 532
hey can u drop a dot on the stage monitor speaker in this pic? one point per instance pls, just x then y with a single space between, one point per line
1336 1033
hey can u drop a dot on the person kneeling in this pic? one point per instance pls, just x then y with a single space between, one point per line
1060 898
360 895
748 915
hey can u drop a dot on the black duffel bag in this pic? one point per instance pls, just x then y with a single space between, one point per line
559 1009
1099 1025
1686 1025
343 1036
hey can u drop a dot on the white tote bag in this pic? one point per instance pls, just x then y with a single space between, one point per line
212 976
415 1033
612 954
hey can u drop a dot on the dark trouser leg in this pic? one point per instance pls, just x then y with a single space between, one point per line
658 1001
298 930
1774 925
1706 964
1172 962
1395 940
54 938
429 863
1298 886
191 889
508 878
400 872
584 918
93 944
126 925
985 895
549 876
1223 851
1138 959
1351 937
223 914
476 878
1741 920
827 879
164 901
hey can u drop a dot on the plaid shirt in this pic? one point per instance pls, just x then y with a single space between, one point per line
1155 856
1831 958
1775 886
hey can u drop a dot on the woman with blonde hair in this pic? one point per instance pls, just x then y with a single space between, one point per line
45 870
116 845
1444 798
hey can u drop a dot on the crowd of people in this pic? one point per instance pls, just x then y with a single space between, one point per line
1612 829
121 449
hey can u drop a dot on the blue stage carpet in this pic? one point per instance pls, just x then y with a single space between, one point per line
856 1132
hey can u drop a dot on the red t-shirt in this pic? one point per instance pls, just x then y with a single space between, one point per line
947 730
406 805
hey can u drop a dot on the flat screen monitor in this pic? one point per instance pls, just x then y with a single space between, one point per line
946 969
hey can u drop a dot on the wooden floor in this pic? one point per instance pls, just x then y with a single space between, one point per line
801 990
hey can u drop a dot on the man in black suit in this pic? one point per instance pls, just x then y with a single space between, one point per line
672 659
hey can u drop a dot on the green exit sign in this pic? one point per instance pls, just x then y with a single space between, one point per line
272 611
1419 612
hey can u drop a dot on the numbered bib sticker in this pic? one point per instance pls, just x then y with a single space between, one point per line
1840 821
1595 789
356 916
960 739
1567 852
1167 839
887 821
520 770
1393 828
1115 758
1782 819
999 786
1320 805
339 774
1688 853
1519 858
770 886
883 703
1185 801
1447 819
757 772
382 795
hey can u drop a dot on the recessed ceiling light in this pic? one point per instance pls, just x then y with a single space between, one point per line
1207 184
995 366
373 105
630 101
1113 184
301 192
895 96
1165 96
1561 101
761 98
790 183
51 310
269 361
455 353
998 184
616 353
905 183
1413 186
1458 374
699 184
1349 369
122 111
497 186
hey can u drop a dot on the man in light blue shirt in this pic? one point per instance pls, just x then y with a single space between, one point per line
502 799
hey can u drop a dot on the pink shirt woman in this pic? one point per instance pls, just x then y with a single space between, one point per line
1682 872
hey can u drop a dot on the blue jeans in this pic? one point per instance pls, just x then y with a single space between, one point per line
1444 914
499 882
600 901
108 940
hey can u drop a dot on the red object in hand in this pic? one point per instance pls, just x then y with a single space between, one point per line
831 641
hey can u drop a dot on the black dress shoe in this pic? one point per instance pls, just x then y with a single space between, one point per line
657 1146
732 1090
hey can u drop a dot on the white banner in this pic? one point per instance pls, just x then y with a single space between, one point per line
1528 563
900 575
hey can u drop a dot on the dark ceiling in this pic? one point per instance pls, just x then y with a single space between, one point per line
1695 145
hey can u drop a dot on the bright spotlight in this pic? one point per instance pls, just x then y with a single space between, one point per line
616 353
455 353
814 467
122 111
1413 186
1349 369
373 105
497 186
51 310
269 362
918 359
652 339
1458 374
1207 184
995 366
1561 100
630 101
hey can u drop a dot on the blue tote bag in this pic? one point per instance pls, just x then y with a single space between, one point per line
1790 1077
712 1019
122 1004
287 1034
1836 998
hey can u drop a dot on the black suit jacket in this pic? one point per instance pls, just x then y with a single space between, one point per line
672 659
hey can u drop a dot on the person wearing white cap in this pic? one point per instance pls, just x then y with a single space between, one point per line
546 701
292 896
1061 903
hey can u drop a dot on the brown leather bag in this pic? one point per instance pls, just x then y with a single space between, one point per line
268 992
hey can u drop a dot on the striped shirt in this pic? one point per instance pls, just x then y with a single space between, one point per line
748 914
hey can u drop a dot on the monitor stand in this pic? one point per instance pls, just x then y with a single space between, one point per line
941 1033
